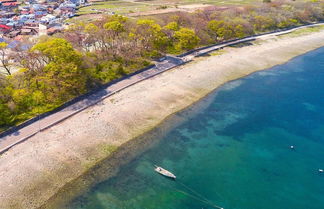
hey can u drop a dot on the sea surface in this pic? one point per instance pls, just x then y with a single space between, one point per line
235 152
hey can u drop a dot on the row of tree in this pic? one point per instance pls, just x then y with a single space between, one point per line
57 69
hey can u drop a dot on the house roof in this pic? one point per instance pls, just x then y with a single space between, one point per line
40 13
7 4
26 30
2 1
5 27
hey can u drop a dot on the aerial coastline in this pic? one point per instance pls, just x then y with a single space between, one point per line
84 140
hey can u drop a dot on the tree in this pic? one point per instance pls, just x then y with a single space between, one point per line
4 115
114 26
239 31
75 34
4 58
226 32
5 112
62 76
186 39
150 37
174 26
213 26
116 36
263 23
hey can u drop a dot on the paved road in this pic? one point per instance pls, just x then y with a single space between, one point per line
8 141
169 62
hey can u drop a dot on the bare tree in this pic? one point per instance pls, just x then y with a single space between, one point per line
5 58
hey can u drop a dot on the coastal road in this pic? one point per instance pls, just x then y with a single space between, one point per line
26 132
168 63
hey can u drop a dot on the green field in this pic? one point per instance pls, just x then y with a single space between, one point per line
141 6
118 7
125 7
212 2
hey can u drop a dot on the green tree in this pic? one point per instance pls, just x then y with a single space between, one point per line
114 26
62 76
151 37
186 39
5 115
174 26
213 26
263 23
91 28
239 31
225 32
5 112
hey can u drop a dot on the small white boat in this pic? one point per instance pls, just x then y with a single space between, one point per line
164 172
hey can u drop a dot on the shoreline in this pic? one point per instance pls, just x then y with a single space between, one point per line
29 128
109 167
42 168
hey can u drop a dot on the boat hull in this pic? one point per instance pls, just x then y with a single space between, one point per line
165 173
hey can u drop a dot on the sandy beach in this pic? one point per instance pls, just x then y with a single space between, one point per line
34 172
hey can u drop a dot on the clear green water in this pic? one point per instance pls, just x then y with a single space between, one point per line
236 152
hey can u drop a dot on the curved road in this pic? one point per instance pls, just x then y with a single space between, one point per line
168 63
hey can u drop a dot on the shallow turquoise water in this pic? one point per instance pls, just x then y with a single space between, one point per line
235 152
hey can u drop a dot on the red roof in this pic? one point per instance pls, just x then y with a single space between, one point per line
10 4
4 27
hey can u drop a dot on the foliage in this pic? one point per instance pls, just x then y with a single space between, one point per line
186 39
5 58
62 70
87 55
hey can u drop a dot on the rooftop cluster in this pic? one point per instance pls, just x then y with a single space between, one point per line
19 20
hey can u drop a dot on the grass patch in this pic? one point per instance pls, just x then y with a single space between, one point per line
108 148
104 150
218 52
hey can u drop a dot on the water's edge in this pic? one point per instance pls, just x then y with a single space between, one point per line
125 153
109 166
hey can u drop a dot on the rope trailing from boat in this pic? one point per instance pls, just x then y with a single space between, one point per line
193 191
199 199
198 196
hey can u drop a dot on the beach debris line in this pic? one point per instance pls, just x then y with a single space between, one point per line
164 172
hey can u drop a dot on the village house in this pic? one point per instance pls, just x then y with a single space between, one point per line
9 5
35 17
